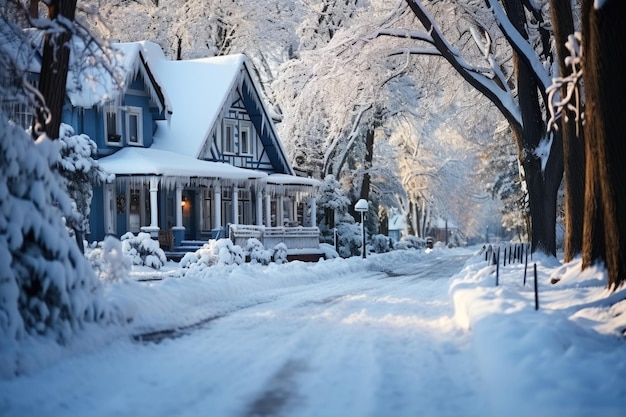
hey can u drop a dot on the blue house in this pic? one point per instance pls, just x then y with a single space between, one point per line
192 146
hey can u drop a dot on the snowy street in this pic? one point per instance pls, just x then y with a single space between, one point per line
375 344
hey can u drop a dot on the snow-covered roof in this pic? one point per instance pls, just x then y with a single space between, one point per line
284 179
397 222
192 94
290 184
148 161
198 89
90 83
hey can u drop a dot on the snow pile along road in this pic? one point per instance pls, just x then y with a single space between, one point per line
567 358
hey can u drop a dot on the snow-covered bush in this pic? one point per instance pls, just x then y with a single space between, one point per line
80 173
411 242
380 244
257 252
109 261
143 250
229 253
47 286
280 253
349 239
216 252
332 208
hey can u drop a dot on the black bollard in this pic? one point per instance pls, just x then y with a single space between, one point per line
498 268
525 268
536 290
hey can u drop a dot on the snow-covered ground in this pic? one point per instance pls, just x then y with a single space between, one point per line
400 334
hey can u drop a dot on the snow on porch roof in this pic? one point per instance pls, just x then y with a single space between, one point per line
147 161
284 179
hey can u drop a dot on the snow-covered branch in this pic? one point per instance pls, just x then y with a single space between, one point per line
570 85
352 136
414 51
482 82
417 35
524 50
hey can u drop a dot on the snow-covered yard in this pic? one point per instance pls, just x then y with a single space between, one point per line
404 333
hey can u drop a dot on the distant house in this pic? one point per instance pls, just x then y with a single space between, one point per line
193 149
443 228
397 226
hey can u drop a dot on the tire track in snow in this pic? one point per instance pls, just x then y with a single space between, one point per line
400 359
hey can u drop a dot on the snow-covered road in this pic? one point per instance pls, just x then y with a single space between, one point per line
379 344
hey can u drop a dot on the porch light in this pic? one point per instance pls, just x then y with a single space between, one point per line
183 202
362 206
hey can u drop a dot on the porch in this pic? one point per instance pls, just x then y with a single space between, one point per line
197 200
302 242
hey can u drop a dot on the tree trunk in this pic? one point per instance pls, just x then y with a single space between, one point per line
367 163
54 68
605 88
542 182
571 131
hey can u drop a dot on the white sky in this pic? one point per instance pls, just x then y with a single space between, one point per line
397 334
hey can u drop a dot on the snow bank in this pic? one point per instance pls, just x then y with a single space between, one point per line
567 358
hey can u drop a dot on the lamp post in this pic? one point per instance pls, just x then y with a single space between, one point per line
362 206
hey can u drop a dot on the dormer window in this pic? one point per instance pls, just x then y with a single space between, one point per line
112 126
134 126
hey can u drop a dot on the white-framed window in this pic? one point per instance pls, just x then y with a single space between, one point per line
23 116
245 138
134 125
228 136
112 126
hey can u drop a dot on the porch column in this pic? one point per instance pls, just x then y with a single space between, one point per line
280 211
313 203
217 212
259 208
153 229
268 210
154 206
110 207
235 204
179 230
179 206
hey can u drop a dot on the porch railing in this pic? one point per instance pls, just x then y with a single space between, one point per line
293 237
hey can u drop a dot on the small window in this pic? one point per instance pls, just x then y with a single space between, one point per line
134 131
112 128
23 116
245 138
228 139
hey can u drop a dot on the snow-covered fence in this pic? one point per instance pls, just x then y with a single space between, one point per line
292 237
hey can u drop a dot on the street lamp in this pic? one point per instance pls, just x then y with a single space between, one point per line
362 206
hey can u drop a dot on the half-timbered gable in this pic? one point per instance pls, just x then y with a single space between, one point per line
244 134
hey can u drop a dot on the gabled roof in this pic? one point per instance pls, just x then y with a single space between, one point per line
91 84
198 89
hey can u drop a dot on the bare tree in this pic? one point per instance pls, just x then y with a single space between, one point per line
571 131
